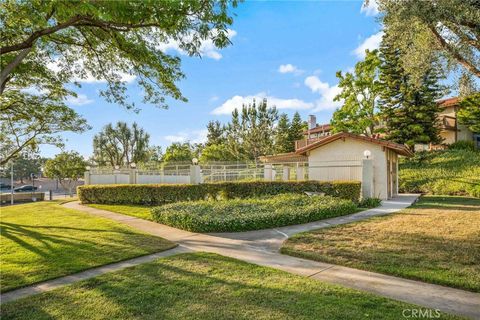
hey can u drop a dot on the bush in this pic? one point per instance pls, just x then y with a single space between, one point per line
370 203
250 214
463 145
151 194
448 172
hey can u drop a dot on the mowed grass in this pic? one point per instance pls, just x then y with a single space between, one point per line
203 286
436 240
139 211
45 240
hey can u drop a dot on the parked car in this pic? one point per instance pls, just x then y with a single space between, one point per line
25 188
5 186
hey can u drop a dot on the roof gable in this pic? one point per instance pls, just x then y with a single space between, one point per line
398 148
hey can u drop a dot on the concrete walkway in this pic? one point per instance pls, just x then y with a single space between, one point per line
261 247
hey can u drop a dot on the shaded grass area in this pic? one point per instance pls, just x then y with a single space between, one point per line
134 210
44 240
203 286
436 240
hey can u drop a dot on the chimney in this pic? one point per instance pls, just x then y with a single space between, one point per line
312 122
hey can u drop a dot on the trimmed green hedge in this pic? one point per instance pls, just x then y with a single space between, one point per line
250 214
151 194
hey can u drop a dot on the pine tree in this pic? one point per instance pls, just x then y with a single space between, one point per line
409 111
297 126
215 133
282 135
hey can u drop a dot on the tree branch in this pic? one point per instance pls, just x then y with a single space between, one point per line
464 62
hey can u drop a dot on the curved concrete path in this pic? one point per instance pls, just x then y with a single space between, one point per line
261 247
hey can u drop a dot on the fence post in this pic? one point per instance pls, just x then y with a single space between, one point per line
300 172
86 177
267 172
195 174
367 178
132 176
286 173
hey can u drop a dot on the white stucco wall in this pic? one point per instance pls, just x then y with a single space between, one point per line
349 148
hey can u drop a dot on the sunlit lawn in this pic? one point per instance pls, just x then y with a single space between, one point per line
138 211
437 240
203 286
44 240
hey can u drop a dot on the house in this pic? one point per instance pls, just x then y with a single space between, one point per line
451 130
347 156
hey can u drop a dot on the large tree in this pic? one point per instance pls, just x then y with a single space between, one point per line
48 43
282 135
422 29
28 120
121 145
409 110
179 152
360 92
25 164
215 133
469 112
67 168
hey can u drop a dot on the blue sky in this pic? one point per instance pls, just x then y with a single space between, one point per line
286 51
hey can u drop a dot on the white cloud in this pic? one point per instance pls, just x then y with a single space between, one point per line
327 93
194 136
370 8
289 68
79 100
371 43
237 101
213 98
207 48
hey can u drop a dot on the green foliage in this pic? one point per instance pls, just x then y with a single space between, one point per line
370 203
282 135
121 145
360 92
423 29
250 214
178 152
409 110
463 145
216 152
167 193
469 112
449 172
67 167
24 165
28 120
106 40
215 133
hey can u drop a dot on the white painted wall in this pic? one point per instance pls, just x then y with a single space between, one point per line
339 150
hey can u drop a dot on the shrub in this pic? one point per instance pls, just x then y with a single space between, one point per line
448 172
370 203
463 145
151 194
250 214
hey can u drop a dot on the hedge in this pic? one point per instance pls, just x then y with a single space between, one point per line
250 214
159 194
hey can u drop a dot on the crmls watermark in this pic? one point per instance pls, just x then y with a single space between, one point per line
421 313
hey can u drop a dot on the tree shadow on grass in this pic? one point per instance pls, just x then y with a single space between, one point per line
205 286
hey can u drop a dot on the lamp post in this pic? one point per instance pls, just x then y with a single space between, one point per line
11 184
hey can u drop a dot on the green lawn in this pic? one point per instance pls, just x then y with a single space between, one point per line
203 286
45 240
437 240
135 210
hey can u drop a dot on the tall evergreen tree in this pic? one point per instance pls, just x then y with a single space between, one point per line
297 126
282 135
409 110
215 133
